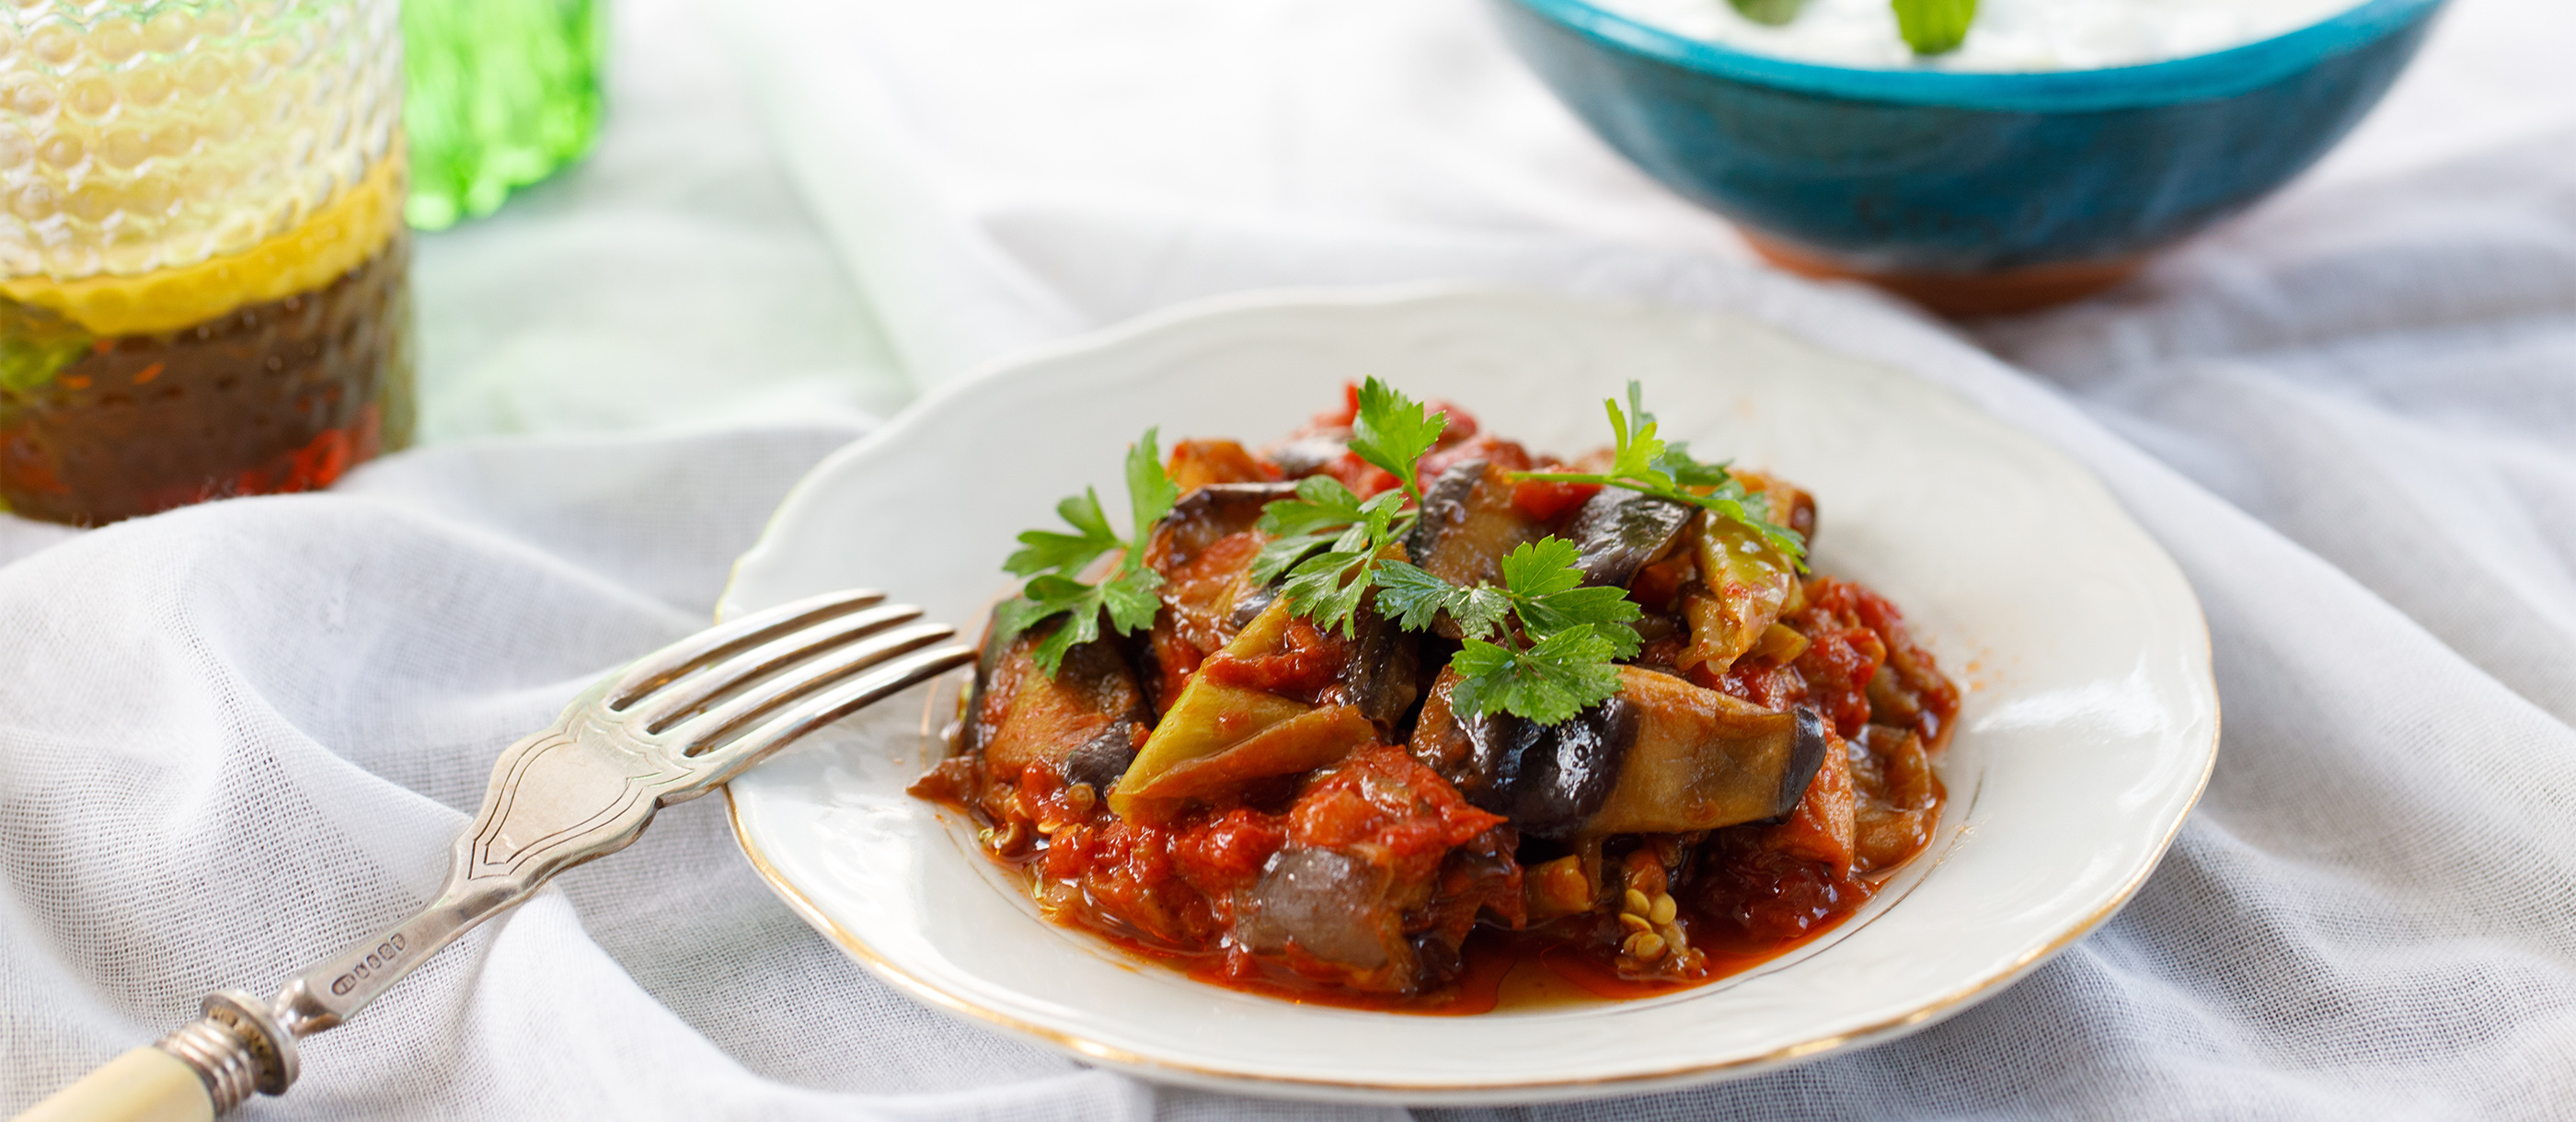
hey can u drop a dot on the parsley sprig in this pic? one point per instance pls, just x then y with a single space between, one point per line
1648 464
1542 646
1391 431
1054 561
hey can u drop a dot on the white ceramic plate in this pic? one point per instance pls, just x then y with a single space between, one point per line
2089 727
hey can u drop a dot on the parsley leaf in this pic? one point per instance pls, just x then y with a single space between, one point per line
1357 538
1051 595
1558 661
1053 562
1543 567
1556 678
1327 587
1415 599
1547 595
1649 465
1634 452
1150 494
1131 600
1394 432
1049 550
1934 27
1322 503
1322 511
1282 554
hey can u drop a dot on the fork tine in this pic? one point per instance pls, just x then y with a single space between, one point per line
813 713
792 682
675 698
651 671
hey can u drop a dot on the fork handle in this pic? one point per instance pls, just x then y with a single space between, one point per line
144 1085
329 993
559 797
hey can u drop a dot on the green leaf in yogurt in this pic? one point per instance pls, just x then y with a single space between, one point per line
1934 27
1773 13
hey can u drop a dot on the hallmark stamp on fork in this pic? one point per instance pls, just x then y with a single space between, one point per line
382 957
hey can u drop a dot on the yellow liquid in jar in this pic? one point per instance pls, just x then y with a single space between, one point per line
333 241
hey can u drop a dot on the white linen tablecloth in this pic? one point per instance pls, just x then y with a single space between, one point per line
235 736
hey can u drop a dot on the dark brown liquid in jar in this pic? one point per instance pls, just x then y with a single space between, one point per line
279 396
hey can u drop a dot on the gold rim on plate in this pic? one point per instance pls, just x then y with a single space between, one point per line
931 994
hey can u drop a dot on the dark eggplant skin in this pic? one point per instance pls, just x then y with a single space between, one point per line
1806 758
1305 455
972 732
1547 779
1446 505
1550 779
1103 758
1250 604
1328 902
1663 756
1468 524
1618 532
1215 511
1383 677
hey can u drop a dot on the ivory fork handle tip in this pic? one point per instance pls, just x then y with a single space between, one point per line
144 1085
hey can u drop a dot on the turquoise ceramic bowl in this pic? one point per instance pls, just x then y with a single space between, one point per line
1943 181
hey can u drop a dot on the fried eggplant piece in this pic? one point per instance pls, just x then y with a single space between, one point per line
1896 797
1199 463
1547 780
1384 871
1663 756
1619 532
1018 716
1203 550
1468 524
1705 760
1382 678
1206 514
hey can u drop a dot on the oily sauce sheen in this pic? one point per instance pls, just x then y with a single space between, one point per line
1297 811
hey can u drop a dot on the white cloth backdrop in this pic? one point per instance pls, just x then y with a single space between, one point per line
235 736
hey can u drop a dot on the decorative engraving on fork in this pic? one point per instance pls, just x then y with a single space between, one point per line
557 791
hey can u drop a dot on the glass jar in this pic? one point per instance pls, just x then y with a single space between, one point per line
202 257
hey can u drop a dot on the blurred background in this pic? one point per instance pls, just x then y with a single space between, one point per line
784 191
813 210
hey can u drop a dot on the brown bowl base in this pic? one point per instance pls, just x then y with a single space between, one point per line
1960 295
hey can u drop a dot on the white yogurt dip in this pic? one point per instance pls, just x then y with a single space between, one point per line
2008 35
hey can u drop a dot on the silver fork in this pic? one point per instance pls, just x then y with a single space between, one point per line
672 726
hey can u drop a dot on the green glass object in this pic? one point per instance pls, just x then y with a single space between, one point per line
502 93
